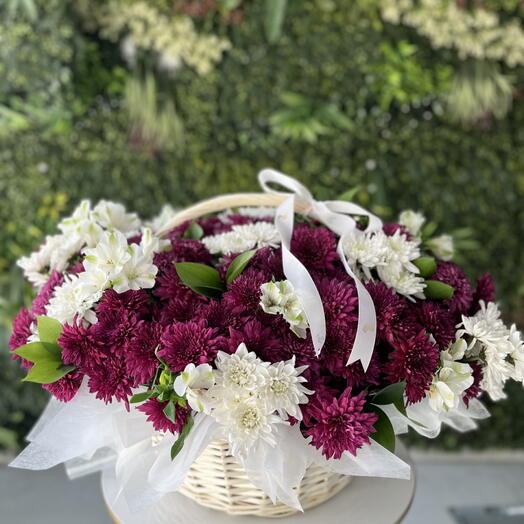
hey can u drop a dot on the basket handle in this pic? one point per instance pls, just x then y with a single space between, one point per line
223 202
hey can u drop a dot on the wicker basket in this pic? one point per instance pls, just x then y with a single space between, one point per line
216 480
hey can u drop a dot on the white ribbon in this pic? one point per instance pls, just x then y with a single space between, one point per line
335 215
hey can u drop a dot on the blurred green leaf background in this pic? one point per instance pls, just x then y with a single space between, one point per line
417 103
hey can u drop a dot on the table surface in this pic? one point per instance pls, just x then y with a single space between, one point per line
357 503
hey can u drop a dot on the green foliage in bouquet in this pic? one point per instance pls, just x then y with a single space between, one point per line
368 97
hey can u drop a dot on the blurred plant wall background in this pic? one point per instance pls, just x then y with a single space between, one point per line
418 103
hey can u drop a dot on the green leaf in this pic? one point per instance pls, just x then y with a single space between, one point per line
47 372
40 352
392 394
426 265
49 329
194 231
429 229
274 19
202 279
350 194
238 265
170 411
140 397
436 290
177 446
384 434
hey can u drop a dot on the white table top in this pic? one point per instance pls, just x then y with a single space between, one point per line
365 500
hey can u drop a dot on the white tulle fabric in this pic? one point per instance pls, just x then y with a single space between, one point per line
88 435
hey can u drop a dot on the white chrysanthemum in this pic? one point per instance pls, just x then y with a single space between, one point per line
240 372
110 254
243 238
113 216
280 298
485 326
402 281
441 247
246 422
498 348
367 249
402 250
285 391
412 221
76 296
452 379
193 384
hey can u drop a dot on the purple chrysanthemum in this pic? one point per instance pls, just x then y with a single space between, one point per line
65 388
315 248
168 285
258 338
269 261
337 348
191 342
390 228
339 299
21 332
182 250
219 315
136 302
415 361
394 320
340 424
45 294
79 348
111 380
140 355
451 274
180 309
243 294
474 390
436 321
485 291
114 328
154 410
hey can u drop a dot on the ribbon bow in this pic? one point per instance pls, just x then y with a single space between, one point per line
335 215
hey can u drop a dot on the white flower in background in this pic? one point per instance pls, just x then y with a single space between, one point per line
412 221
243 238
81 226
193 384
109 255
161 220
284 390
441 247
367 249
402 250
246 422
76 296
401 280
280 298
113 216
240 373
452 379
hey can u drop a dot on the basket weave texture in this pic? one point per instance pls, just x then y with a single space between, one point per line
216 480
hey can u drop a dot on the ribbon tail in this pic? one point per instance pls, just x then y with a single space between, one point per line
367 319
299 276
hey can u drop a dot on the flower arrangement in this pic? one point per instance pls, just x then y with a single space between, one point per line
326 337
